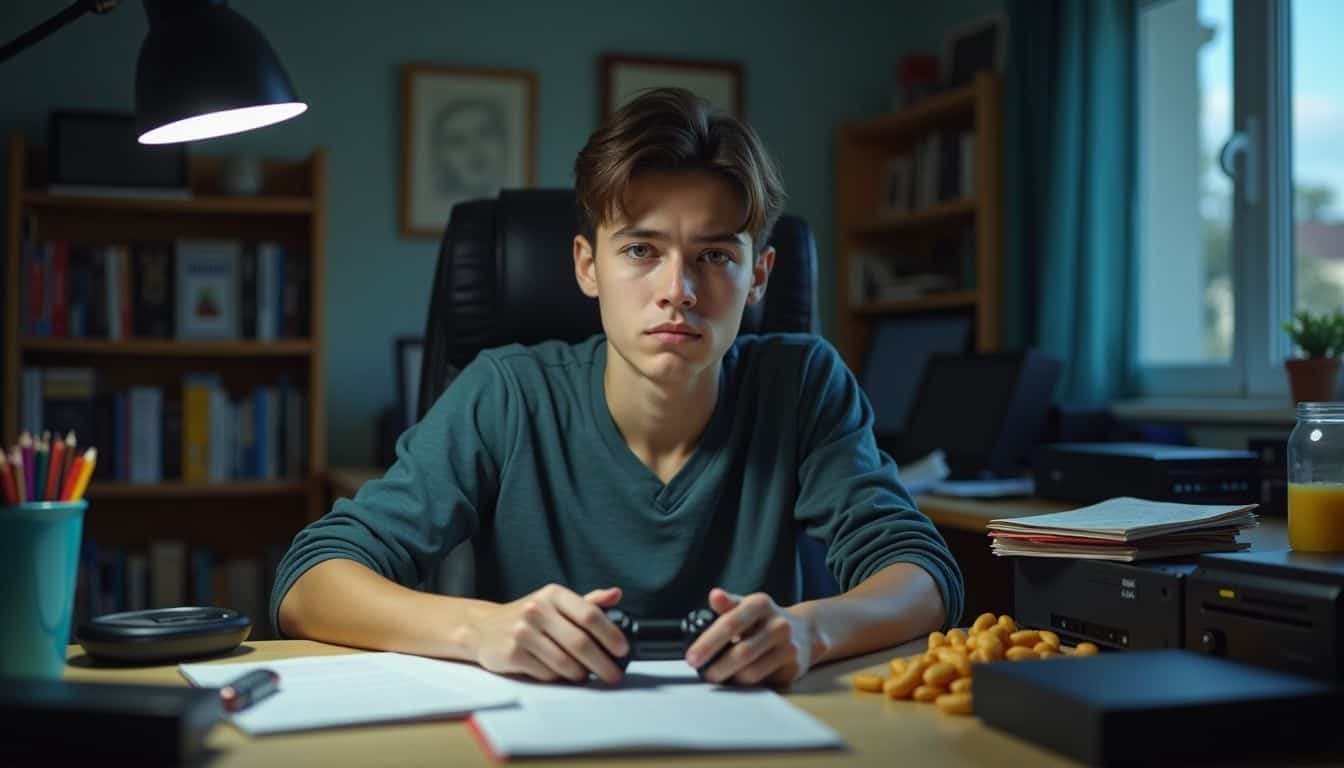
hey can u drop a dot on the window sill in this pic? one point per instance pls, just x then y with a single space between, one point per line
1207 410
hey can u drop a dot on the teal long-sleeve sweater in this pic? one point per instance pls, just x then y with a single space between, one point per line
521 457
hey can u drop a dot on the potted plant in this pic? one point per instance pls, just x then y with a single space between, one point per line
1321 339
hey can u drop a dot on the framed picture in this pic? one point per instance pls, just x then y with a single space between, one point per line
465 134
718 82
975 46
410 353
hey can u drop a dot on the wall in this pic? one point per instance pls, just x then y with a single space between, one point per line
808 67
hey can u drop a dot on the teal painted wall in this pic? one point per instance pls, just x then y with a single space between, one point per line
808 66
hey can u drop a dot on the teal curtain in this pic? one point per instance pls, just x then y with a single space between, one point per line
1069 187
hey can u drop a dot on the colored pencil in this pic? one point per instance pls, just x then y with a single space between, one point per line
15 469
87 461
29 467
42 462
11 490
69 460
56 470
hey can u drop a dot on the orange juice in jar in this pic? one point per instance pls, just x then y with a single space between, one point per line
1316 478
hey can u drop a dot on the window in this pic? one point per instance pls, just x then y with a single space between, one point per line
1240 210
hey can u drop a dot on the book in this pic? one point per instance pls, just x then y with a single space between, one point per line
207 289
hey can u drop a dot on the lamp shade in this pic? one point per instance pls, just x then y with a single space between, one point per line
205 71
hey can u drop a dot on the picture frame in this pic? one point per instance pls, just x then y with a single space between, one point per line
972 47
408 357
466 133
623 76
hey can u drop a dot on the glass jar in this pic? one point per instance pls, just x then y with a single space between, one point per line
1316 478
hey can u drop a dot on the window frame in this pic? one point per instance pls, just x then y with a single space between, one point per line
1262 226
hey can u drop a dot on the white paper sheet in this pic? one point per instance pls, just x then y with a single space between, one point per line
660 706
349 689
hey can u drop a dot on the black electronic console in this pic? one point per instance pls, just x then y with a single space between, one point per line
1115 605
662 639
1279 608
1092 472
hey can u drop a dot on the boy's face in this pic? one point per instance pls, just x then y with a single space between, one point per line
673 274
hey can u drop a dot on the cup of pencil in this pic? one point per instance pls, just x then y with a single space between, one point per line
41 524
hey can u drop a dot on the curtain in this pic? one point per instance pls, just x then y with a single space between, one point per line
1069 188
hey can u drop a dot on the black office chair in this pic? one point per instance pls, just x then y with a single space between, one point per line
506 274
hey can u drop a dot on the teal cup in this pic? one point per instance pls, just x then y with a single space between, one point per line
39 560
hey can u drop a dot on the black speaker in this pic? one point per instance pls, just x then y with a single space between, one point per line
984 411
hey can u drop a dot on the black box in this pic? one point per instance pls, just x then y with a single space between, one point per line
1091 472
1279 609
1148 707
1116 605
53 720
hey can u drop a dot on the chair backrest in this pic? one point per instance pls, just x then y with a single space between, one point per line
505 275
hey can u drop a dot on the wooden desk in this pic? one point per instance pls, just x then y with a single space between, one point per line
878 732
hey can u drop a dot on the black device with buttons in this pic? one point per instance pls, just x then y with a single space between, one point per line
662 639
1122 606
1279 609
1092 472
163 635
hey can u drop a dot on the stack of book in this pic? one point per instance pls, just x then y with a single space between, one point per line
1125 529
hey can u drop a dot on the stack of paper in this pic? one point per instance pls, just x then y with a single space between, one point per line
1125 529
356 688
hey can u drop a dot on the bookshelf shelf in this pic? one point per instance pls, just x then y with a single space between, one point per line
934 215
168 348
181 490
942 159
930 113
273 204
950 300
82 353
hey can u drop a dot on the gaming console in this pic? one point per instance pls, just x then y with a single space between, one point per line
662 639
1091 472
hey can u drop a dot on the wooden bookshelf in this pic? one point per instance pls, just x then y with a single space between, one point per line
237 518
864 225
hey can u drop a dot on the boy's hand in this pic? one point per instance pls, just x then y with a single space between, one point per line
771 644
553 634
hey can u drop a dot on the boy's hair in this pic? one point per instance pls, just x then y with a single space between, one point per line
672 129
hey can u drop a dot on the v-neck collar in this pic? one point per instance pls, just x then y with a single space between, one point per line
664 496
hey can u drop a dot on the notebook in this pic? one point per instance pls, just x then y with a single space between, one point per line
661 706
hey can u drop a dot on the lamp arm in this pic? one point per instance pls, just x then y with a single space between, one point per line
34 35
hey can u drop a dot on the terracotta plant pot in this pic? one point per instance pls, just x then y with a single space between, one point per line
1312 379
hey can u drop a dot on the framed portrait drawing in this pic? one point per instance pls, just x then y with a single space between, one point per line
718 82
465 134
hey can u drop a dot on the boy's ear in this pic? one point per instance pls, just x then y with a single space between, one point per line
760 275
585 266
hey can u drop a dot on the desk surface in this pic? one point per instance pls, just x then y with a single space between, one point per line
878 732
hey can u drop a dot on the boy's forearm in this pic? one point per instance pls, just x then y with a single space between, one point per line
894 605
343 602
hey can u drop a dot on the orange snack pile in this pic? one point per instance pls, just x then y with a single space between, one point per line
942 674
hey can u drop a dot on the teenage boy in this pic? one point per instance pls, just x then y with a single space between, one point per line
662 465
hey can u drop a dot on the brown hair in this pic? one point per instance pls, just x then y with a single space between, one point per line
672 129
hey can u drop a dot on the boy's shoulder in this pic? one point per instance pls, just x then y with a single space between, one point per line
772 350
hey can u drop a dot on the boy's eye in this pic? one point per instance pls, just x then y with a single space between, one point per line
717 257
637 251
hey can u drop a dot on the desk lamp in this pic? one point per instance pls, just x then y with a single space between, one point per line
203 71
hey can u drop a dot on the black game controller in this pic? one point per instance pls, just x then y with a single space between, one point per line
662 639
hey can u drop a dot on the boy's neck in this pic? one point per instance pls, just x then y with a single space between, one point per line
661 424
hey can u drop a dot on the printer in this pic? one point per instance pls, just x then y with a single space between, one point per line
1278 608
